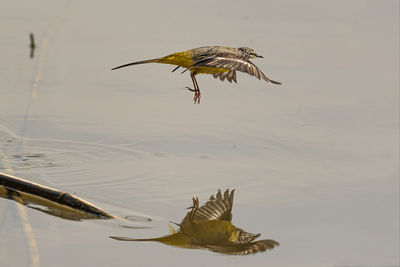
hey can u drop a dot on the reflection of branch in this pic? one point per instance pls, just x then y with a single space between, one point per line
32 45
56 202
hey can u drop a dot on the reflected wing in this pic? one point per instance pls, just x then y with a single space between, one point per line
245 249
234 63
216 208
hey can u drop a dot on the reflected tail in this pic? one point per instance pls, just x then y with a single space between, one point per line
177 239
122 238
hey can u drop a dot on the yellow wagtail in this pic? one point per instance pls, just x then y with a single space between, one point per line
222 62
210 227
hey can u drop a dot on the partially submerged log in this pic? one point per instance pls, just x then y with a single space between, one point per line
49 200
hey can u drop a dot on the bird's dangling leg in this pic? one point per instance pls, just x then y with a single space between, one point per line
196 89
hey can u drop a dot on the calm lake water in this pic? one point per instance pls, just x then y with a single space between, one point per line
314 161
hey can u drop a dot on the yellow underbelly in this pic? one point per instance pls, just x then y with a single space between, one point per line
208 70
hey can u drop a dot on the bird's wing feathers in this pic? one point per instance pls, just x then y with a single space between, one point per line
229 75
216 208
242 64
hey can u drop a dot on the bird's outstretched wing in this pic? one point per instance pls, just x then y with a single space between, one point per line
242 64
244 249
229 75
216 208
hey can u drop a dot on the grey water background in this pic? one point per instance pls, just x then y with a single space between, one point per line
315 161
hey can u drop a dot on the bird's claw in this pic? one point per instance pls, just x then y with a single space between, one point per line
197 95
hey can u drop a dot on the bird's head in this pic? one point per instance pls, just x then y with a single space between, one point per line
249 52
244 237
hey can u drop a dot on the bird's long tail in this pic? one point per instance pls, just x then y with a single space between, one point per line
156 60
182 59
274 82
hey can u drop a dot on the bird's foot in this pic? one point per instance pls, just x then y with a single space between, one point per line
197 95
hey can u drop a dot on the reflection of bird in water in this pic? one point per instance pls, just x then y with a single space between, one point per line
222 62
32 45
209 226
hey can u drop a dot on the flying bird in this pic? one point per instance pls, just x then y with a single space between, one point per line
222 62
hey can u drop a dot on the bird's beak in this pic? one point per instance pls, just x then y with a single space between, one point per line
259 56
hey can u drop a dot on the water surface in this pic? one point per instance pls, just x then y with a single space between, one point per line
314 161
